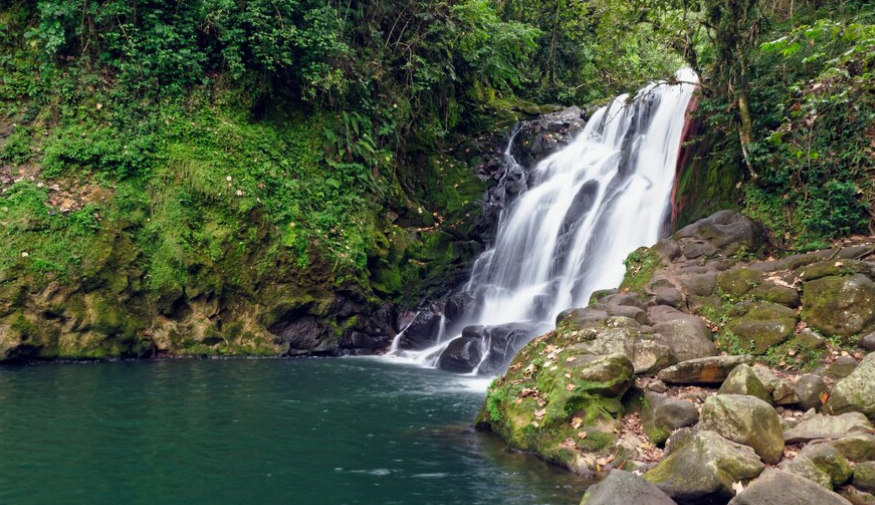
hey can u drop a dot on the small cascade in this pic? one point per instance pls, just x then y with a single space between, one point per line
580 212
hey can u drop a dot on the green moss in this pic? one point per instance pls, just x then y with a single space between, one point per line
640 267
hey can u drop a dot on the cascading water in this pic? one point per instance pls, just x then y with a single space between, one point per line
587 207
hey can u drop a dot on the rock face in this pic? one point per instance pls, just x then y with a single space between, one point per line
746 420
662 415
840 306
713 370
703 466
777 487
856 392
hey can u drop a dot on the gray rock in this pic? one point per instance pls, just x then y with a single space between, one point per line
625 488
810 391
763 325
856 392
864 477
703 466
777 487
784 394
687 338
628 311
651 356
842 367
856 448
821 463
742 380
828 427
699 284
712 370
670 297
868 342
462 355
746 420
839 306
623 300
662 415
726 231
810 339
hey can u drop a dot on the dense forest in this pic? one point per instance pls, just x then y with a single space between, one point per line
247 160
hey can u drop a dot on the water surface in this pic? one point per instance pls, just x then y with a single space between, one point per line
297 432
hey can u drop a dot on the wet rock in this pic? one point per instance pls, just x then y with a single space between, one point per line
828 427
625 488
842 367
462 355
688 338
547 134
746 420
777 487
810 391
763 325
505 340
704 466
864 477
662 415
624 300
422 332
856 392
839 306
13 347
304 335
742 380
712 370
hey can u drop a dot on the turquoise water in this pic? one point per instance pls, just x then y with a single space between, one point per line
296 432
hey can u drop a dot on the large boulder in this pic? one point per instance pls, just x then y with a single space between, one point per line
810 391
462 355
662 415
762 325
840 306
743 380
422 332
725 232
505 340
625 488
821 463
777 487
864 477
828 428
703 466
856 392
856 448
688 338
746 420
713 370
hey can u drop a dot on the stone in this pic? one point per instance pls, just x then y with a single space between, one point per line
746 420
725 231
810 391
856 448
762 325
810 339
614 373
784 394
712 370
738 281
623 300
856 392
868 342
842 367
777 487
670 297
857 497
580 317
635 313
782 295
864 477
504 341
742 380
688 338
625 488
662 415
421 332
821 463
650 356
699 284
703 466
828 427
840 306
462 355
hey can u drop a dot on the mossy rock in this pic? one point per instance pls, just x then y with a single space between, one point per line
762 325
738 282
840 306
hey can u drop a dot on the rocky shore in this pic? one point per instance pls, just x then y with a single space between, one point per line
719 372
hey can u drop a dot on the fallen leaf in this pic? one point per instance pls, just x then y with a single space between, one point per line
576 422
581 435
570 387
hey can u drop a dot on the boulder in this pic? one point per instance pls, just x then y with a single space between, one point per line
669 296
739 281
699 284
857 497
650 356
868 342
864 477
810 391
743 380
842 367
762 325
628 311
505 340
581 316
688 338
856 392
784 394
462 355
662 415
713 370
777 487
625 488
422 332
856 448
703 466
726 232
840 306
810 339
746 420
828 427
821 463
782 295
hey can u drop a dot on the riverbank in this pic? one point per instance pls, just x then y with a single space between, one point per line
716 359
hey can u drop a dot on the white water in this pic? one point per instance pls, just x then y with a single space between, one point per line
587 207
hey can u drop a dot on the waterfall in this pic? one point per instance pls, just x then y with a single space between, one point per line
586 208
